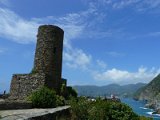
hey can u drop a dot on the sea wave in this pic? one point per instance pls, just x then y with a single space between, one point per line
144 108
149 113
155 116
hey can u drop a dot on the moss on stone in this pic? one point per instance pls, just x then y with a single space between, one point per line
33 71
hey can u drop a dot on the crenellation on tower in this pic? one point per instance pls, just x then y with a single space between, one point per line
47 64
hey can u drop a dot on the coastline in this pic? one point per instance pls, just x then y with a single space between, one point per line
138 107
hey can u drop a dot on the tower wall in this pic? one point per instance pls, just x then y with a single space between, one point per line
48 56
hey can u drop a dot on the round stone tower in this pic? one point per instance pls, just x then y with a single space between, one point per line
48 55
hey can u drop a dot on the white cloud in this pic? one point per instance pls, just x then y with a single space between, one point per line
124 3
75 25
71 32
154 34
138 5
77 59
16 28
5 2
152 3
115 54
126 77
2 50
101 63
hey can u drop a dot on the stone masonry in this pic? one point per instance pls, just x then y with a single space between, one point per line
23 85
47 65
48 56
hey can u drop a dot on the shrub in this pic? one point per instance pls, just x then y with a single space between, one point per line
60 101
43 98
83 109
79 108
63 90
71 92
106 110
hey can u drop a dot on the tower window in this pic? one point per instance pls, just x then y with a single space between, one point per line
54 50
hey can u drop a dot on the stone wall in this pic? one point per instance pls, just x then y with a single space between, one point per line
64 114
59 113
23 85
14 105
48 56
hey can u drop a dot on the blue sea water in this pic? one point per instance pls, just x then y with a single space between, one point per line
138 107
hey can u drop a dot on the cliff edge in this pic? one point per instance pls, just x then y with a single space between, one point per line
150 92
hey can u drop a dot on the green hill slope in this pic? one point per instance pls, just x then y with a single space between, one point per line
121 91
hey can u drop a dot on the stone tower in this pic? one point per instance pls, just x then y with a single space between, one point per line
48 56
47 67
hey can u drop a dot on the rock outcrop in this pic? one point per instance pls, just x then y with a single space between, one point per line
150 93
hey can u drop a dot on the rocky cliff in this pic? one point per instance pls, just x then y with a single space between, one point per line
150 92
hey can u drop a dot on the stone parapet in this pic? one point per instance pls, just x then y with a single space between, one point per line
59 113
23 85
14 105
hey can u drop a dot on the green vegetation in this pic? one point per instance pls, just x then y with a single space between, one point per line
68 92
60 100
71 92
83 109
144 118
45 98
63 90
33 71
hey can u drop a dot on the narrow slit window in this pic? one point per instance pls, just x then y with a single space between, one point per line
54 50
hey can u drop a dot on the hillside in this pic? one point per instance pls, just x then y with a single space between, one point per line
121 91
150 92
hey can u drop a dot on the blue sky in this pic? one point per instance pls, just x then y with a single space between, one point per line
106 41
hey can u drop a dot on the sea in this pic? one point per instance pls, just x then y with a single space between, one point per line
138 107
